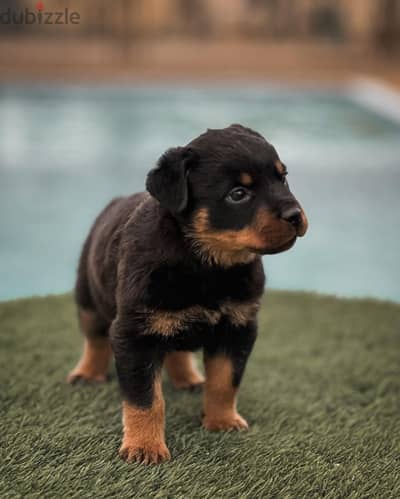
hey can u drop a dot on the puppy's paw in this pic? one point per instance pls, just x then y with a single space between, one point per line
78 376
226 422
154 453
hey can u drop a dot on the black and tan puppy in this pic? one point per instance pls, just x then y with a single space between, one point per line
179 268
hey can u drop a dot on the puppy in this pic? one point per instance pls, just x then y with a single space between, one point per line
165 272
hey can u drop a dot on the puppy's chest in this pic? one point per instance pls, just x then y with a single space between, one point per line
180 286
181 296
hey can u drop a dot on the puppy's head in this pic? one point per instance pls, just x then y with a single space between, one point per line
229 191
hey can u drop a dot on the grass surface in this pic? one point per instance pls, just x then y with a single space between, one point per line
322 395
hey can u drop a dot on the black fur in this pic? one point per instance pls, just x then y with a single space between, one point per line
235 342
140 255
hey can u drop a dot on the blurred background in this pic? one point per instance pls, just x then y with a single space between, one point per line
92 93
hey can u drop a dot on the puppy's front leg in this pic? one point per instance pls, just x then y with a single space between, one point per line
225 360
138 364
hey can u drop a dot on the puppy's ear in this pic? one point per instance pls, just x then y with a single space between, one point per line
168 181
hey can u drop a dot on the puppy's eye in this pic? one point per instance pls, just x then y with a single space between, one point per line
238 195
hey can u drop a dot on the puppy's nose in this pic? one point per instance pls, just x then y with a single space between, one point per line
292 215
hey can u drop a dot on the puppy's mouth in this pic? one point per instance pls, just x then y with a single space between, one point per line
277 249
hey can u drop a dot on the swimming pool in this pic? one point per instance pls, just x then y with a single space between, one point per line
66 150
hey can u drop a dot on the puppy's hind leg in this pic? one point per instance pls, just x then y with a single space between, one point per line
97 352
97 348
182 370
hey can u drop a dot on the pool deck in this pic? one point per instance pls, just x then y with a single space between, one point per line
171 60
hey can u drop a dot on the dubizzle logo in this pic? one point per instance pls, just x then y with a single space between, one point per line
39 16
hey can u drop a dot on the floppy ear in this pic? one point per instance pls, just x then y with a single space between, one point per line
168 181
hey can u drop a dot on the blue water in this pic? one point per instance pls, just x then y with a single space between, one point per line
65 151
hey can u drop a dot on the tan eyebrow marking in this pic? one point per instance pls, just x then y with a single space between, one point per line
280 167
246 179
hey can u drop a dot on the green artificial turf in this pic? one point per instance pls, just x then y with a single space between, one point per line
321 392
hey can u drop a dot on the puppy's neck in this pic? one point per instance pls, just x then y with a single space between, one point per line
210 254
211 251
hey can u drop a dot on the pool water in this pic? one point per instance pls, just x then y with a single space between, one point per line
66 151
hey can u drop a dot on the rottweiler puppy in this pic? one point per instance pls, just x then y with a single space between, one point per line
178 268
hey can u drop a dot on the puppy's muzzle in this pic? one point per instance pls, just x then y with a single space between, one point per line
295 216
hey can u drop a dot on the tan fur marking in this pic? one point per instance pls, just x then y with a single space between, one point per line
182 370
143 439
280 168
168 323
97 352
240 313
172 322
225 248
94 362
229 247
246 179
219 403
165 323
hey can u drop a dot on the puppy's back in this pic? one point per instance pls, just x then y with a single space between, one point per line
97 270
